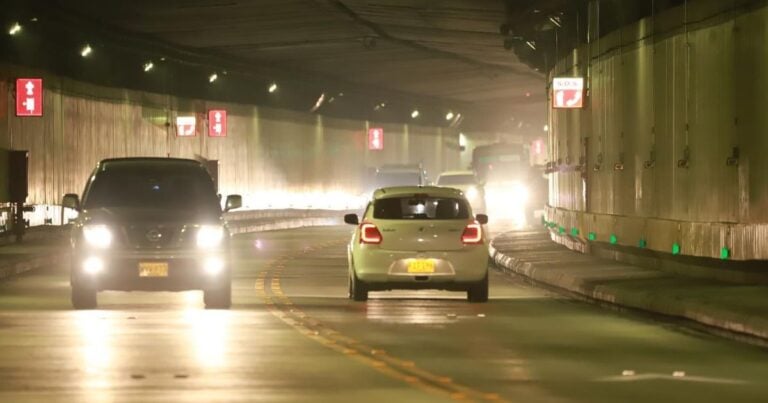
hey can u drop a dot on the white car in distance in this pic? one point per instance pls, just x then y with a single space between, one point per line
418 238
467 182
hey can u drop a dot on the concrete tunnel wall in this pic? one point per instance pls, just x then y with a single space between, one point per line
274 158
647 159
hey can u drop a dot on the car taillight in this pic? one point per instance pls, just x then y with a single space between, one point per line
369 234
473 234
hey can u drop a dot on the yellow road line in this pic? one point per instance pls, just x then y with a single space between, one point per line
403 370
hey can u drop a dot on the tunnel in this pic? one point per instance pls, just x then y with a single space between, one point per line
338 200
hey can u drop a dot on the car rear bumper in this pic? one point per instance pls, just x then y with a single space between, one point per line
185 271
387 269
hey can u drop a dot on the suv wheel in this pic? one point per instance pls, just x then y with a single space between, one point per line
478 292
357 289
83 297
218 298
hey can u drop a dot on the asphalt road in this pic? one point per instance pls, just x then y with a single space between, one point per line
293 336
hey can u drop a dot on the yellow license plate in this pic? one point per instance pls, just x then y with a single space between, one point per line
153 269
421 266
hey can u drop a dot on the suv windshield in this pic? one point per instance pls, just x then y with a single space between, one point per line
424 208
467 179
156 188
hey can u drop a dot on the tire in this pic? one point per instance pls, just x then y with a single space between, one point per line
218 298
357 289
478 292
84 297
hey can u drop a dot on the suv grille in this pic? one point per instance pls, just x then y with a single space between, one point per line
153 236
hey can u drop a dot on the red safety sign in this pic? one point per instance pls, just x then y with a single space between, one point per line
29 97
375 139
568 92
217 123
186 126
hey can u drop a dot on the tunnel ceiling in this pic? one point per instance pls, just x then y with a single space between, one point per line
450 53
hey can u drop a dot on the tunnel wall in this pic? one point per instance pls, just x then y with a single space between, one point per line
670 147
274 158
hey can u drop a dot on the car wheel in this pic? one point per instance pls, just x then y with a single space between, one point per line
478 292
218 298
357 289
83 297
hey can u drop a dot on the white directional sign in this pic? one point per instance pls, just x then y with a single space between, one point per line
568 93
186 126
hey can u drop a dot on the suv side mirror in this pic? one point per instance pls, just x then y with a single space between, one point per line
71 200
233 202
482 219
351 219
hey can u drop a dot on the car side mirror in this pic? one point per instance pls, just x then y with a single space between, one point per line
351 219
482 219
71 200
233 202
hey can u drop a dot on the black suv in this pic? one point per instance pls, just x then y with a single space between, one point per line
150 224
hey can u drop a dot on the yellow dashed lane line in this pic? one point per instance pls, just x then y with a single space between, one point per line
269 288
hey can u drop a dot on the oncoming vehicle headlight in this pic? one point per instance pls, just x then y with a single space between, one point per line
519 192
210 236
98 236
472 193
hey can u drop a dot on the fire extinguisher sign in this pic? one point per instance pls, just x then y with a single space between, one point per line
568 93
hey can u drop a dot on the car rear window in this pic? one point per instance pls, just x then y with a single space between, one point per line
420 208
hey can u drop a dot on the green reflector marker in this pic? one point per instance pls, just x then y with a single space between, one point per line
575 231
592 236
642 243
561 230
676 248
614 240
725 253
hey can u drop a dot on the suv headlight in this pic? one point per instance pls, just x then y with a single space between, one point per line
97 236
210 236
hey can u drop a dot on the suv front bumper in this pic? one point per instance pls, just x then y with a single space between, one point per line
120 270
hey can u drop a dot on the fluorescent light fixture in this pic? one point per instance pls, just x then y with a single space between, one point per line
449 115
15 29
556 21
531 44
148 66
272 88
415 114
86 50
213 77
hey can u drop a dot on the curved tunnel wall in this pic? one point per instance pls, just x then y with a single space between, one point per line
670 151
274 158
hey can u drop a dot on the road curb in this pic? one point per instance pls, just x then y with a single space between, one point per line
651 302
24 265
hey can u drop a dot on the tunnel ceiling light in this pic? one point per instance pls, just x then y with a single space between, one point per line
449 115
213 77
531 44
272 88
15 29
556 21
148 66
86 50
546 128
415 114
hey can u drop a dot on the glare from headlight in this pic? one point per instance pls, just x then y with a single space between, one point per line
213 265
98 236
472 193
210 236
93 265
